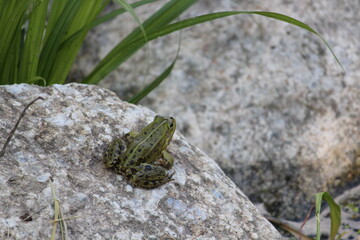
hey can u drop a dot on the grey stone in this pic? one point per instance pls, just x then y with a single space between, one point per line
65 135
265 99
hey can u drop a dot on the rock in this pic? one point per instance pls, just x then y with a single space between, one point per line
62 139
265 99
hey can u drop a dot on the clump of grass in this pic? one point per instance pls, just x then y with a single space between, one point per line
335 219
41 38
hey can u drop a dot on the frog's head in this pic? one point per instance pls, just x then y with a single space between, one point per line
169 122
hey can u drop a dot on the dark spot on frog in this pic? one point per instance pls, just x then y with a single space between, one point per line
145 133
146 183
139 150
131 151
132 162
122 147
148 167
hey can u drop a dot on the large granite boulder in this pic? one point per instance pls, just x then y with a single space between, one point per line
59 145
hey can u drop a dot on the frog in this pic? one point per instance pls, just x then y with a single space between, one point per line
142 156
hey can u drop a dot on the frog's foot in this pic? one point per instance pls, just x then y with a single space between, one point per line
114 152
167 161
150 176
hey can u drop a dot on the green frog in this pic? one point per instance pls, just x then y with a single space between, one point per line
141 156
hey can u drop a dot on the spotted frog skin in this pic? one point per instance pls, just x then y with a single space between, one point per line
141 156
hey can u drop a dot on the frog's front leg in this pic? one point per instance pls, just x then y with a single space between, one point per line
166 161
129 137
150 176
114 153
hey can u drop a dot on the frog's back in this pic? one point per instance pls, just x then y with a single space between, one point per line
151 141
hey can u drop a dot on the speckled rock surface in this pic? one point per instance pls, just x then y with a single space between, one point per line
63 137
265 99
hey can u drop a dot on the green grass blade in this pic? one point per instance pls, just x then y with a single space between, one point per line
87 13
339 237
335 214
131 44
69 48
131 11
12 18
106 18
212 16
300 24
56 9
317 213
18 46
10 72
118 12
51 46
35 79
33 41
156 82
127 47
151 86
161 18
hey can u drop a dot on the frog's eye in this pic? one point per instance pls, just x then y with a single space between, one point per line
172 122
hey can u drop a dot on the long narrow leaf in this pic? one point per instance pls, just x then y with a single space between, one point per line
335 214
69 48
13 53
56 9
117 12
106 18
130 10
12 18
10 66
212 16
161 18
156 82
32 47
127 47
51 47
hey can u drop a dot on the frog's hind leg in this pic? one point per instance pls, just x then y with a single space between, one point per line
150 176
114 152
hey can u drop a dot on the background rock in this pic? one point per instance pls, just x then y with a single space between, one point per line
263 98
62 138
